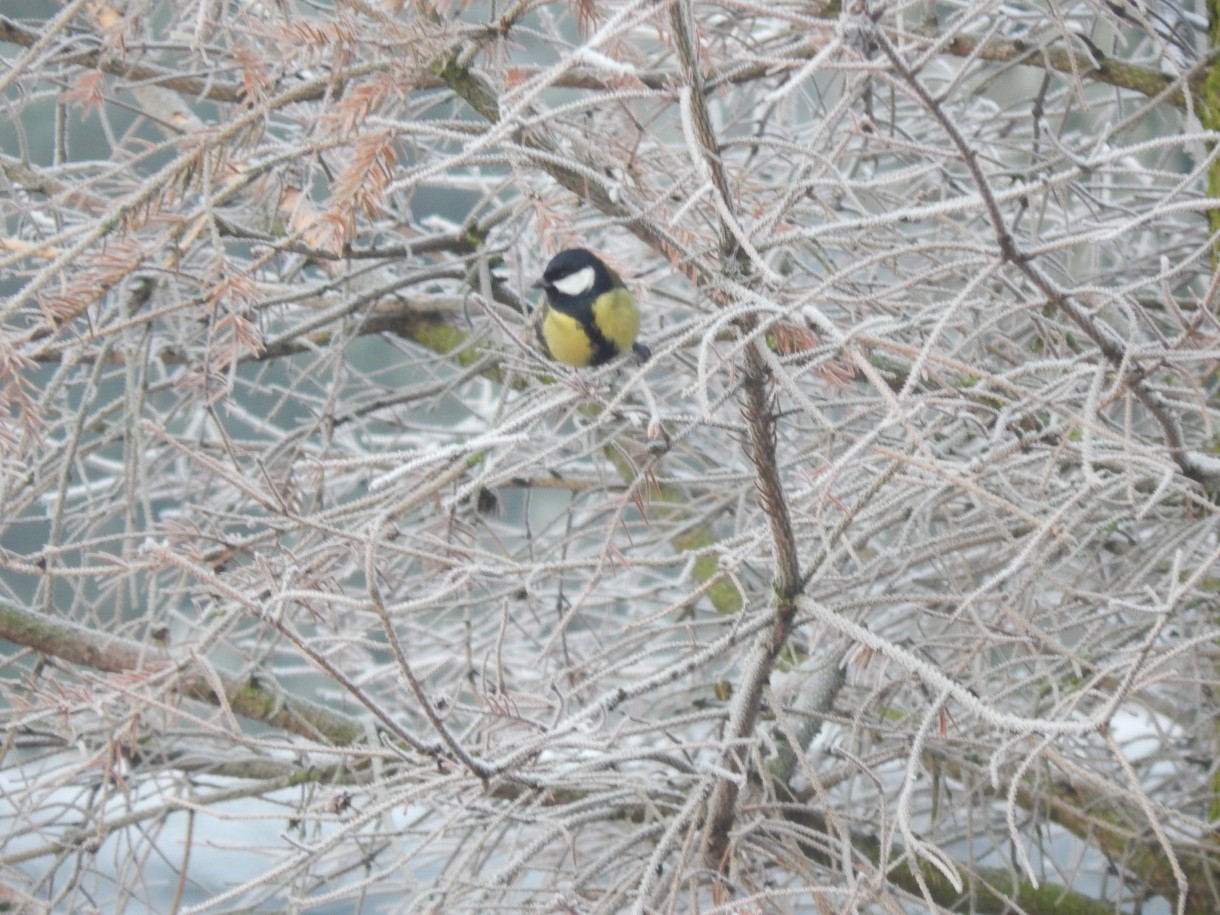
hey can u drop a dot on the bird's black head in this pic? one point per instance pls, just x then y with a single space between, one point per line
575 274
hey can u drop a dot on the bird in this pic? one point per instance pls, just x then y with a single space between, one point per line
590 316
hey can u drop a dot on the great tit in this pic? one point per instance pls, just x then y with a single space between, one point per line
590 316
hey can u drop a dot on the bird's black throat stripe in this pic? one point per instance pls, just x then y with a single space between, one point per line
603 349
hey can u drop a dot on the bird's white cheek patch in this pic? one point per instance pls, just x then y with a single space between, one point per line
579 282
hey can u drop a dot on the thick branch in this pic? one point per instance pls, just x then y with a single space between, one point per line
246 696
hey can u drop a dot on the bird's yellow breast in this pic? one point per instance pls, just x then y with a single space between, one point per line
614 314
566 339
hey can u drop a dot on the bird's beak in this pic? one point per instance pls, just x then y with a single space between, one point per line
540 284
